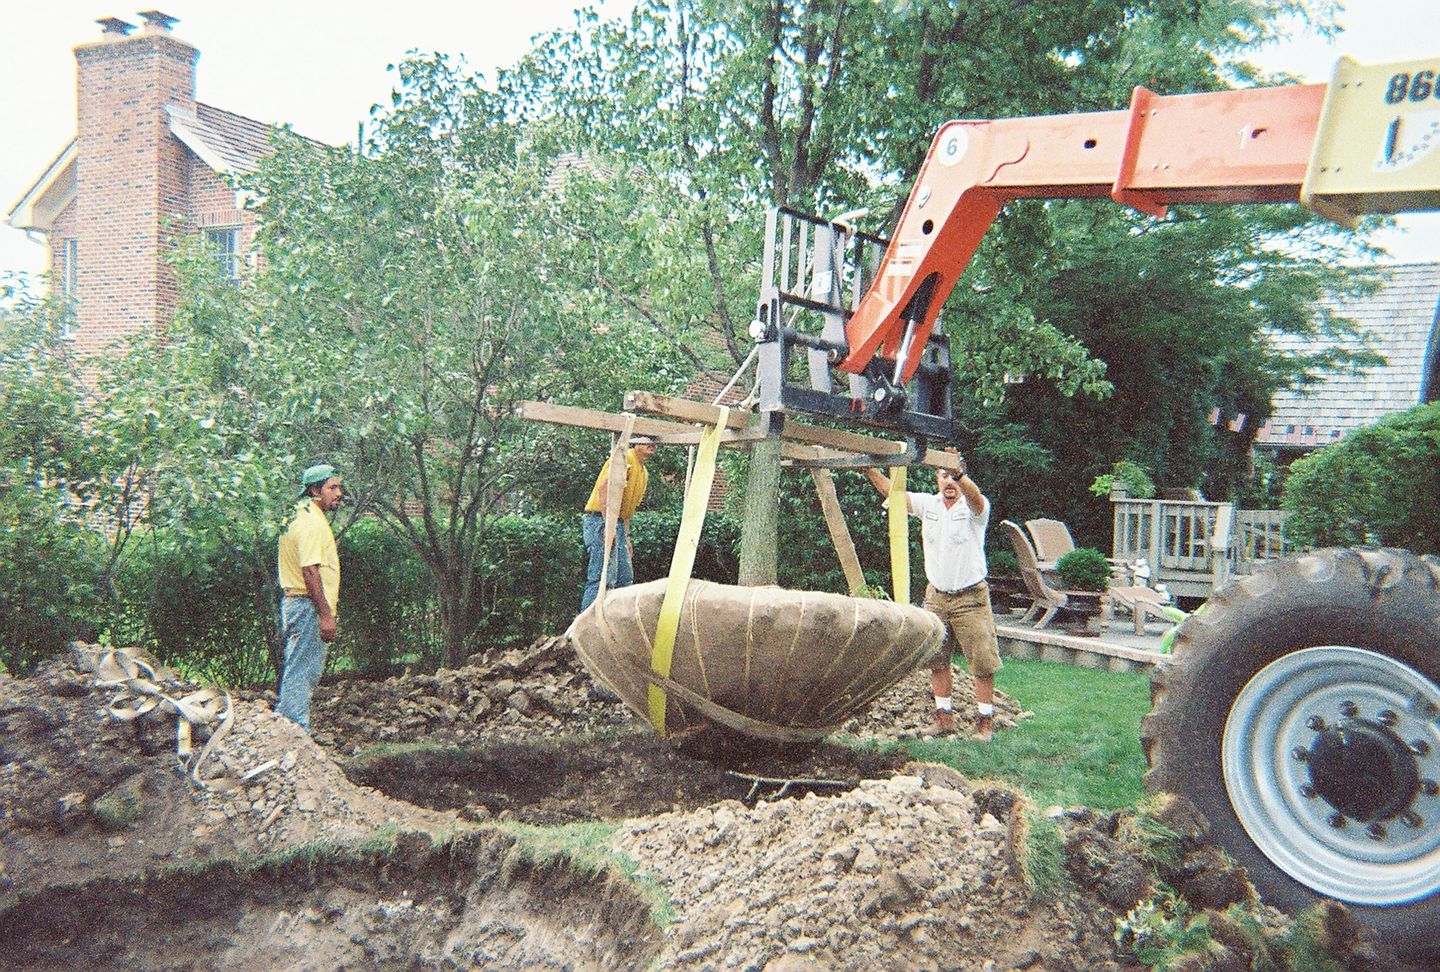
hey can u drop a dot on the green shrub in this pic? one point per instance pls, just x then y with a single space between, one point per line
388 612
653 533
1003 563
530 570
208 611
1379 484
1084 569
1129 475
49 594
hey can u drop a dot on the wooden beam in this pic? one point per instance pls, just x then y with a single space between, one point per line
591 418
839 532
803 442
665 433
684 409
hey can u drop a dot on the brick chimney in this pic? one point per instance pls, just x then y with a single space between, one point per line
132 178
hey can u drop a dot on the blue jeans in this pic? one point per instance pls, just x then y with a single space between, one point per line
304 659
592 527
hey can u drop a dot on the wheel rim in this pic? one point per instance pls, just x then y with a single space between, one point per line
1355 727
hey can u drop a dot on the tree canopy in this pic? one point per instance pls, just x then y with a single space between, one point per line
1129 331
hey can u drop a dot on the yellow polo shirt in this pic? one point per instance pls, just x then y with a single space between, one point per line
637 477
306 542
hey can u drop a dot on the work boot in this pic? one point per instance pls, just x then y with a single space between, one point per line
942 725
983 728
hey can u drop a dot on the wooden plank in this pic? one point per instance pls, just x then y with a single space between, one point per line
842 442
591 418
839 532
665 433
684 409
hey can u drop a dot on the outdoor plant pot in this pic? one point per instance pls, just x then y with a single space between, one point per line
1085 608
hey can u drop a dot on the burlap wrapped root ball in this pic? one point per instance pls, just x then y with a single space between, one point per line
787 666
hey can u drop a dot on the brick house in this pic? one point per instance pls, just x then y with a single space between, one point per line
1403 320
147 162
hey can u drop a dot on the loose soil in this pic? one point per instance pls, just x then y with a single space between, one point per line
110 857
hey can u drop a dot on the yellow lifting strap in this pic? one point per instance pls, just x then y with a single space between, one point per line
682 563
899 536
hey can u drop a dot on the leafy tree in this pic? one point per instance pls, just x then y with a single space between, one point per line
53 570
411 293
214 416
1178 312
826 106
1379 484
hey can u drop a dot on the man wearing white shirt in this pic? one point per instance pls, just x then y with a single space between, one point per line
953 521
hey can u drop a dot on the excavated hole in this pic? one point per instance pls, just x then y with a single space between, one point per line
474 903
637 774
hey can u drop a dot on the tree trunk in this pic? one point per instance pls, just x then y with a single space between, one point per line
758 546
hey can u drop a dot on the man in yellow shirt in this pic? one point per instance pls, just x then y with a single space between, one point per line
310 578
637 477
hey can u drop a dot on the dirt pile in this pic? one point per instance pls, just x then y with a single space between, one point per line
913 872
540 690
908 707
83 795
108 840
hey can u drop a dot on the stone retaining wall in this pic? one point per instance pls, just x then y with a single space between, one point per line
1024 642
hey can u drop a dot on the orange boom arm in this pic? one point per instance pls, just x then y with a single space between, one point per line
1228 147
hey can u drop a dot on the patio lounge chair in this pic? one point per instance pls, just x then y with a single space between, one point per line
1141 602
1044 598
1052 540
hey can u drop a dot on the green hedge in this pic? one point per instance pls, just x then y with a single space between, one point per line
211 612
1379 484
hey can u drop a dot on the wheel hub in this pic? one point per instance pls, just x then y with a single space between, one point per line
1331 762
1362 769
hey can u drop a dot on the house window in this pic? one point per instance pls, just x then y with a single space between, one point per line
69 279
223 242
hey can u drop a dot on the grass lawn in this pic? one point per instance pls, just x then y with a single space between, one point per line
1082 746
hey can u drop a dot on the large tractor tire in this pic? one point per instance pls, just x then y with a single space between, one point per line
1301 713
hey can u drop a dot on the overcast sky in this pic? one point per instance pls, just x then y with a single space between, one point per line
320 65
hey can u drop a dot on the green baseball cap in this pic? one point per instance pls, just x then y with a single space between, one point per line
316 474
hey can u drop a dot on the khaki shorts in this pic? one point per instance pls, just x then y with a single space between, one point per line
970 626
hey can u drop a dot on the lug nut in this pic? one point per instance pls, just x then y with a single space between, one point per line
1301 754
1412 820
1338 821
1420 747
1307 791
1349 709
1315 724
1376 831
1388 717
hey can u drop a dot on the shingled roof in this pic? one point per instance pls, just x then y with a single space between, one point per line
227 142
1403 321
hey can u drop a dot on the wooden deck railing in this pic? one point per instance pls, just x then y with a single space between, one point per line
1194 546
